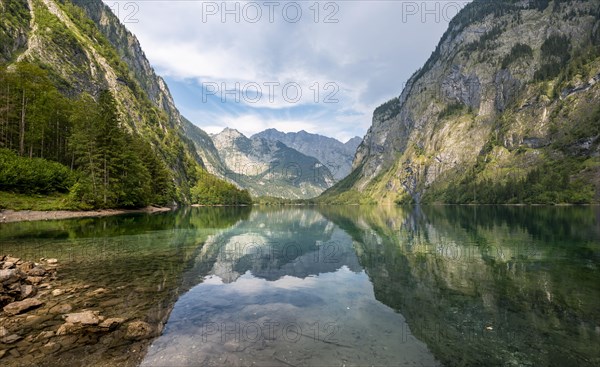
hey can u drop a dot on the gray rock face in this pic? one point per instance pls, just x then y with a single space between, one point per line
507 88
387 137
535 143
337 156
460 88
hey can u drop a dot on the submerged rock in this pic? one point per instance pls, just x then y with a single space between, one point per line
34 280
19 280
27 290
112 322
16 308
98 292
26 266
139 330
45 335
50 347
69 328
86 322
9 339
28 285
14 260
84 318
63 308
10 276
36 272
57 292
4 299
6 337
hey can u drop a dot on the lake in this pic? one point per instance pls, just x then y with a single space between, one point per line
317 286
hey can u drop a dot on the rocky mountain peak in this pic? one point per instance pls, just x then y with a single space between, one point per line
353 143
332 153
229 137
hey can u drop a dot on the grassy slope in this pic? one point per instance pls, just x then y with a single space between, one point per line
15 201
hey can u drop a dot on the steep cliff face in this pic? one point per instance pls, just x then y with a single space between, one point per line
269 168
13 28
130 51
509 93
337 156
86 49
205 148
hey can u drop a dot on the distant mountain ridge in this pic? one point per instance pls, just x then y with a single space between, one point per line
337 156
262 166
269 164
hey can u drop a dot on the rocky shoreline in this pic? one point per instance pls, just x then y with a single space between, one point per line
48 322
8 216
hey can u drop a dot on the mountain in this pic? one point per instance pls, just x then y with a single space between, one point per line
205 148
506 110
353 144
268 167
80 50
336 155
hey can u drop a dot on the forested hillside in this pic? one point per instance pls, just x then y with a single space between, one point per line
68 95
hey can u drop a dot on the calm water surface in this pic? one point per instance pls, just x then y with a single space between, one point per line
344 286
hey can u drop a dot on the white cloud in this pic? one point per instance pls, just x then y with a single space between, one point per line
369 54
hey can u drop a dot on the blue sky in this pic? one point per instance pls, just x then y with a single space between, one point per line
320 66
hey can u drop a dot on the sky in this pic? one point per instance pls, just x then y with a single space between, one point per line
318 66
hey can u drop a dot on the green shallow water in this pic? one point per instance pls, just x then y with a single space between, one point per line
334 286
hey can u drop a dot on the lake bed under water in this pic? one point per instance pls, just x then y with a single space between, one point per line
319 286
